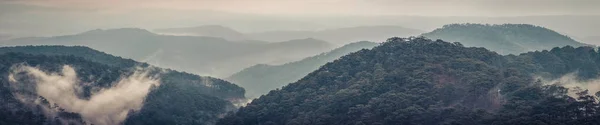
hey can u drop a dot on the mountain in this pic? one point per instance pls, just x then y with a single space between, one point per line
262 78
340 36
505 38
200 55
78 51
104 81
420 81
206 30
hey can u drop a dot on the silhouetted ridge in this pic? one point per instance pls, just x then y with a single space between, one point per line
207 31
120 31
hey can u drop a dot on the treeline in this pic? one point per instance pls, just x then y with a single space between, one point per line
422 81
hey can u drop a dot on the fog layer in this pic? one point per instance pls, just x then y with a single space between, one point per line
108 106
575 85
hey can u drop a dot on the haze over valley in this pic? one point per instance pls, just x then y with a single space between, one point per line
202 55
274 62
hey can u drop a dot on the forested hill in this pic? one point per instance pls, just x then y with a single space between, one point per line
170 103
78 51
262 78
505 38
420 81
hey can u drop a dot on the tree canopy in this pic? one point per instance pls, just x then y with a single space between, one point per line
423 81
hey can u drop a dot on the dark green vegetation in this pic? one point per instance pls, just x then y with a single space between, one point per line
182 98
262 78
200 55
78 51
505 38
420 81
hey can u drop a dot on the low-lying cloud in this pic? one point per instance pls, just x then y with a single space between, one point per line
574 84
108 106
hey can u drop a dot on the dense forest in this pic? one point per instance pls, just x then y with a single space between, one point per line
402 81
262 78
182 98
299 62
505 38
422 81
78 51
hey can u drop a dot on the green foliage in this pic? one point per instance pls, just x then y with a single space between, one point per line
78 51
420 81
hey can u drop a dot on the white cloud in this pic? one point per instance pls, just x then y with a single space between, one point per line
571 82
106 107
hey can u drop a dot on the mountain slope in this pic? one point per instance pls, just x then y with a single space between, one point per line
78 51
505 38
201 55
207 97
262 78
340 36
419 81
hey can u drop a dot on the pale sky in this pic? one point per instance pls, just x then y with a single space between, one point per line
339 7
55 17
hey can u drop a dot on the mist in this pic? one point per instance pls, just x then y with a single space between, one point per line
574 84
108 106
232 62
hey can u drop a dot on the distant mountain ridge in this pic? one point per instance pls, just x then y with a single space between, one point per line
205 30
260 79
339 36
505 38
201 55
